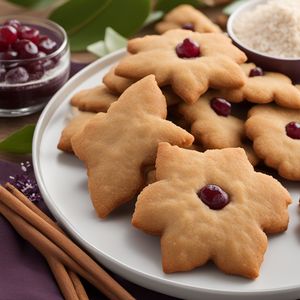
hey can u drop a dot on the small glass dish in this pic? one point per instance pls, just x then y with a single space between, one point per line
287 66
46 74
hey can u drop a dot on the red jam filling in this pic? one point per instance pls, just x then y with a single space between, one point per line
293 130
213 196
188 49
221 106
256 72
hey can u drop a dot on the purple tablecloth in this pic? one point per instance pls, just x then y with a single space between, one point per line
24 273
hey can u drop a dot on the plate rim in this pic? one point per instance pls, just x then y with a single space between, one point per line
115 265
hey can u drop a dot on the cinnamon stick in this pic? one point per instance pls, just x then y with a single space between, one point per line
72 252
63 277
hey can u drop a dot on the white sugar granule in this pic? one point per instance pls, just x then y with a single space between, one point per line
272 28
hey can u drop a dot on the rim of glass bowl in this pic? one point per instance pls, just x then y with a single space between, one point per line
230 25
43 23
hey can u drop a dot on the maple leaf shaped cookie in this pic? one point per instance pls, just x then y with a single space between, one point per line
188 61
96 99
186 17
115 146
192 233
275 132
213 125
264 87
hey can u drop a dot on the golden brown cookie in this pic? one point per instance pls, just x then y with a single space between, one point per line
118 84
186 17
211 206
275 132
115 146
96 99
213 125
264 87
188 61
115 83
74 126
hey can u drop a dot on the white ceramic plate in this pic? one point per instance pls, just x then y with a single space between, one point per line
129 252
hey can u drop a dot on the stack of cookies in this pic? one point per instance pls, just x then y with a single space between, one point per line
180 122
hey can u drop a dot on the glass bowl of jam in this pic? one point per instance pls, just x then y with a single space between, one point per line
34 63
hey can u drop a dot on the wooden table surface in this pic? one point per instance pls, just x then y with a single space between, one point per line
9 125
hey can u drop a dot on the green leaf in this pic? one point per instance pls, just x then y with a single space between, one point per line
113 40
166 5
229 9
98 48
19 142
86 21
153 17
32 3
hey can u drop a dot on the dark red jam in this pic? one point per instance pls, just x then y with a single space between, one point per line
188 26
257 71
293 130
221 106
30 71
188 49
213 196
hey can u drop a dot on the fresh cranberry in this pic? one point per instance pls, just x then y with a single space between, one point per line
9 55
49 64
17 75
41 54
47 45
213 196
257 71
2 73
35 70
8 34
221 106
188 49
3 46
13 23
27 49
28 33
293 130
188 26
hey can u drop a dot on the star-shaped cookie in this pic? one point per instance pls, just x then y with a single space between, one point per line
96 99
186 17
275 132
188 61
178 208
74 125
215 131
116 146
265 88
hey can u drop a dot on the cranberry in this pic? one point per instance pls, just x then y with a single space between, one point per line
293 130
28 33
9 55
188 26
35 70
256 72
27 49
2 73
188 49
213 196
3 46
221 106
8 34
17 75
49 64
13 23
47 45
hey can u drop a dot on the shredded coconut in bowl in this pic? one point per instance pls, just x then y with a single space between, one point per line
272 28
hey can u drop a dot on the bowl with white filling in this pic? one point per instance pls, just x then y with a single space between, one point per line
269 33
